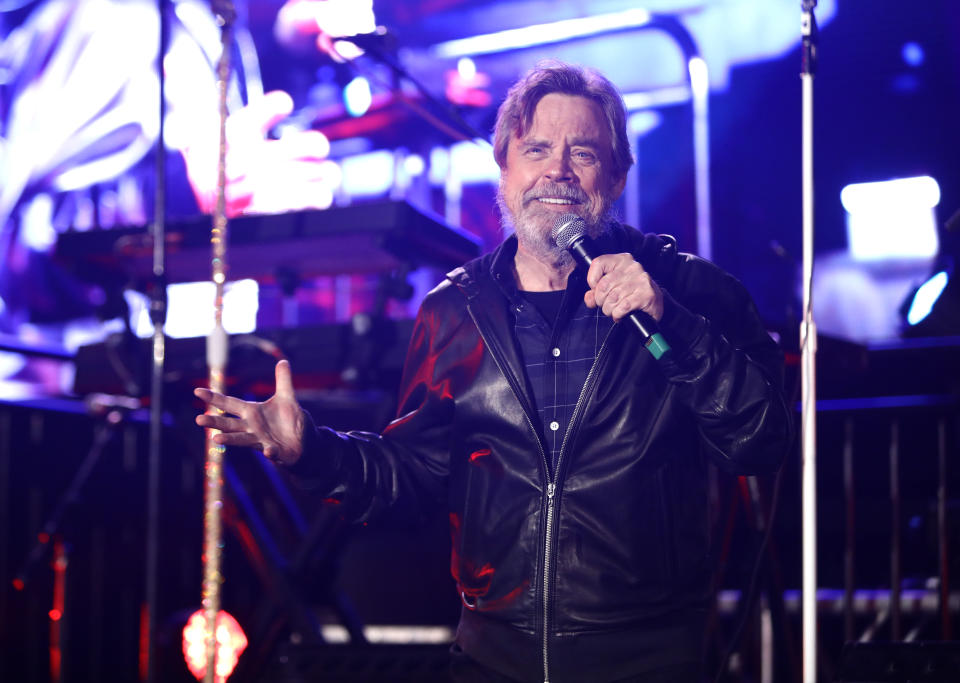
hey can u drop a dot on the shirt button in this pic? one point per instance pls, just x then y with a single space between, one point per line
554 426
556 353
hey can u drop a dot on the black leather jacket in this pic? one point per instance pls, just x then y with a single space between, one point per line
567 573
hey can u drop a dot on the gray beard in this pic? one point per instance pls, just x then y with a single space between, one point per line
534 231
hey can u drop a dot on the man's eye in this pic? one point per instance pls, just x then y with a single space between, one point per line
585 156
534 150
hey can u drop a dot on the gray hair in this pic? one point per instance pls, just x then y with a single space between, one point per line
515 115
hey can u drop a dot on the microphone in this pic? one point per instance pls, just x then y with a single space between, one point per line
380 39
569 232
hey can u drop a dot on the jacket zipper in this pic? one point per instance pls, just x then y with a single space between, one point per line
551 485
548 549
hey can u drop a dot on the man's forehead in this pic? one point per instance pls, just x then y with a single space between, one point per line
592 138
571 115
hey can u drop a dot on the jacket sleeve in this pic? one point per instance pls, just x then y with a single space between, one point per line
726 369
405 468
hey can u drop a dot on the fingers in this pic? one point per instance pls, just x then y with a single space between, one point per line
221 422
619 285
241 439
231 431
284 380
227 404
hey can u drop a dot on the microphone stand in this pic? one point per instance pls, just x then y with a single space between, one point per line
454 126
217 353
158 315
808 349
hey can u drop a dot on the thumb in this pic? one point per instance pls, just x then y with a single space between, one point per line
284 380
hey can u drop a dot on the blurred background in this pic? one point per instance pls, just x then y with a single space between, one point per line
357 173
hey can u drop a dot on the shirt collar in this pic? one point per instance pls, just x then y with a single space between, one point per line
502 272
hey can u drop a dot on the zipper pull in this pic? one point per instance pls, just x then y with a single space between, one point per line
551 489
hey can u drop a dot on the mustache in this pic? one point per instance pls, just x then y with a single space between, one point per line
556 190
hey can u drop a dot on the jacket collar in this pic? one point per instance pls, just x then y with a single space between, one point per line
657 254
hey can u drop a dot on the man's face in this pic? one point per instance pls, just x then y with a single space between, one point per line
562 164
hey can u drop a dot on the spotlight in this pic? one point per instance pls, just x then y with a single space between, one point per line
926 297
357 96
933 308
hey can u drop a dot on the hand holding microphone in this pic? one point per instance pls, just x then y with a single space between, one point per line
613 283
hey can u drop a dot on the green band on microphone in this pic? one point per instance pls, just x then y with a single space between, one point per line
657 345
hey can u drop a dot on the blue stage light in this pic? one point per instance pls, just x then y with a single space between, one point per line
357 96
913 54
926 297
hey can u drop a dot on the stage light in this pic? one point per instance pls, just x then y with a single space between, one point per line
472 163
642 122
368 175
357 96
927 295
542 34
190 309
933 308
463 163
466 86
913 54
414 165
699 78
231 642
892 219
467 68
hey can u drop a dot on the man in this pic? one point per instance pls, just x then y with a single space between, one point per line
572 461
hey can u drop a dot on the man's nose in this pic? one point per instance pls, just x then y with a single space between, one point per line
559 169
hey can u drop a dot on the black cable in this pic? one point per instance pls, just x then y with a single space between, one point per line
751 591
750 595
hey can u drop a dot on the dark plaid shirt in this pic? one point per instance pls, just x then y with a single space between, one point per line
558 356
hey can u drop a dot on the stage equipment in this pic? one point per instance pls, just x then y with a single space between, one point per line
808 349
158 314
372 237
933 308
217 351
931 662
231 642
319 355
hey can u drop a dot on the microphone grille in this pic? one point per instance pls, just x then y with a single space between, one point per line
567 229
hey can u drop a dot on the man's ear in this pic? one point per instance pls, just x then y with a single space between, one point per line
617 189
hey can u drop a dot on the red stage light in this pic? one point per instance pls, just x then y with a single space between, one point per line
231 641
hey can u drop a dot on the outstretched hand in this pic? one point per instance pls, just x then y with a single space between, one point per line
274 426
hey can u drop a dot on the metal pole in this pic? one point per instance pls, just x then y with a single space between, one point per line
700 99
849 552
946 632
895 588
217 351
158 316
808 348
